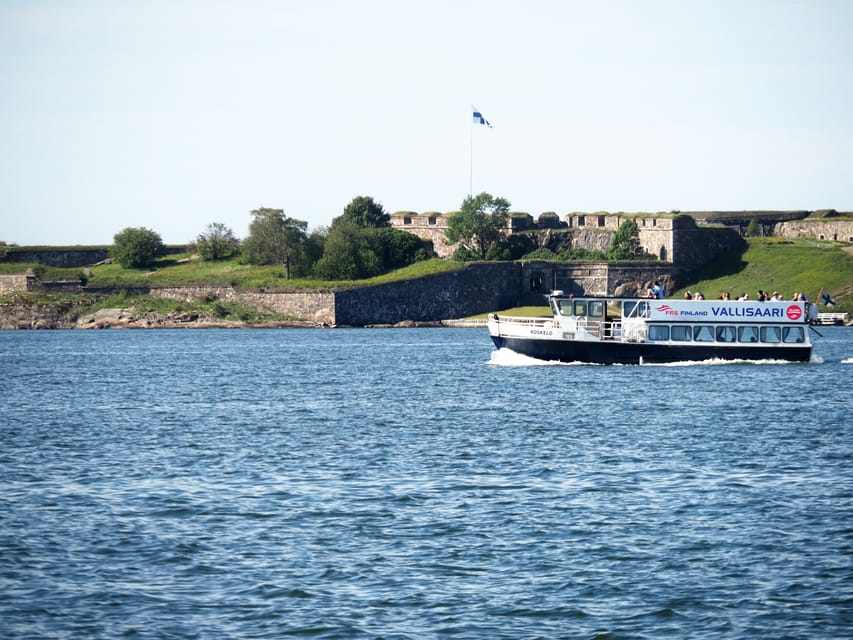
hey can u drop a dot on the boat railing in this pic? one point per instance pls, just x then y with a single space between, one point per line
634 330
534 321
603 329
611 331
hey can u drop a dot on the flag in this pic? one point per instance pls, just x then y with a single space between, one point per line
827 299
479 119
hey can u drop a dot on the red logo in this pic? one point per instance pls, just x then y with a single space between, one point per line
793 312
666 309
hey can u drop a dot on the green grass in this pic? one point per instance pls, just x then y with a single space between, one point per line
783 265
40 270
180 270
79 305
524 312
772 264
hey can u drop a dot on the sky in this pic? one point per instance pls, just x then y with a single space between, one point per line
175 114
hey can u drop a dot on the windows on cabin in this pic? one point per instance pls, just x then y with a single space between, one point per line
725 333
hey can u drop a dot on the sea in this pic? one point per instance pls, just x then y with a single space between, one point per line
417 483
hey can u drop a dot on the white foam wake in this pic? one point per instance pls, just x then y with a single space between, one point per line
508 358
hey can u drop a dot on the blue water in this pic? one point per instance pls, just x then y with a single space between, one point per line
404 484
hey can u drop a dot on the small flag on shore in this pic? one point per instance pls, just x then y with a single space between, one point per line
827 299
479 119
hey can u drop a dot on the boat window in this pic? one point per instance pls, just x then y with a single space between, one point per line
793 334
658 332
635 309
770 334
580 308
565 307
703 333
726 334
747 334
596 309
681 333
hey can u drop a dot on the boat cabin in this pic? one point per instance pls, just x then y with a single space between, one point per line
683 321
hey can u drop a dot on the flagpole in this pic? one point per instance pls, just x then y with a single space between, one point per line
471 154
471 161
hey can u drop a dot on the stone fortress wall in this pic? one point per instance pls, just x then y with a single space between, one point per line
677 240
678 237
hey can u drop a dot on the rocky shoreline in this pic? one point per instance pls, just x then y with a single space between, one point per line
38 317
24 317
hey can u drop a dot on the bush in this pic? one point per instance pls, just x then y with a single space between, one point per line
752 230
579 254
542 253
354 253
217 242
626 242
136 247
464 254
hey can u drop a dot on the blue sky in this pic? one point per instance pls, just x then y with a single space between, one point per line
174 114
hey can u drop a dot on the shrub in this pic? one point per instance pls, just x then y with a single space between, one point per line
542 253
136 247
217 242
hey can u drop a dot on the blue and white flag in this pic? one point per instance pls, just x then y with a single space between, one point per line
827 299
479 119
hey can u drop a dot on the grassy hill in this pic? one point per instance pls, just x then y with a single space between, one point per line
783 265
771 264
183 270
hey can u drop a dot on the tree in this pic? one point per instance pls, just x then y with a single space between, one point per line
348 254
217 242
396 248
479 223
364 212
626 242
274 238
354 253
136 247
752 229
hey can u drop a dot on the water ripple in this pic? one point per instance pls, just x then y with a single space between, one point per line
364 484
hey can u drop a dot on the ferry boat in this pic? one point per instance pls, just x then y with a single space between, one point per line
603 330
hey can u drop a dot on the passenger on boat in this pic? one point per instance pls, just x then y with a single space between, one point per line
762 297
725 295
688 295
776 296
698 296
657 289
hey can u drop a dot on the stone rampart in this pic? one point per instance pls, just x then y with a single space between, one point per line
694 246
820 229
477 288
598 278
68 257
313 307
16 282
63 258
429 226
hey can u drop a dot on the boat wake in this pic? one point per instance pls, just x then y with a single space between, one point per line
713 362
508 358
847 361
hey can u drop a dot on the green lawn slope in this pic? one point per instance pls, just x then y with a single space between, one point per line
771 264
784 265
